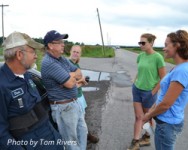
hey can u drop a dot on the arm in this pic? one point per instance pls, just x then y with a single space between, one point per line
81 82
162 72
72 81
172 94
78 74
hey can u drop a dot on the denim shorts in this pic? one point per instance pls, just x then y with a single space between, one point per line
144 97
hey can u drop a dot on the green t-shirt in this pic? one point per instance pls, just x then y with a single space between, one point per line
80 92
148 65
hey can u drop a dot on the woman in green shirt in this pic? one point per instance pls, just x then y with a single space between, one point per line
151 69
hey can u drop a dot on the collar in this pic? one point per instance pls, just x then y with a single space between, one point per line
10 75
71 61
50 55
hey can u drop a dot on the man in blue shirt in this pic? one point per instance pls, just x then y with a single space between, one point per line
60 79
24 122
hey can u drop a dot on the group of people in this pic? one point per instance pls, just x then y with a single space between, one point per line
24 121
167 108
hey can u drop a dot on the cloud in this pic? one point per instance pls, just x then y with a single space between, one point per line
123 21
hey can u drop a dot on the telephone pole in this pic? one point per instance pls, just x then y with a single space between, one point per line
3 20
101 32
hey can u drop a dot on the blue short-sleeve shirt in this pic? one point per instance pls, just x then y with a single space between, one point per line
55 72
175 114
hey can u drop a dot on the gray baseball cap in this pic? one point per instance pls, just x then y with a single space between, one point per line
16 39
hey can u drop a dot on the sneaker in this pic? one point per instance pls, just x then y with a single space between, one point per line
92 138
145 140
134 145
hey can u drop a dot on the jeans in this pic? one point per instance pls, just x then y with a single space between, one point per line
71 125
166 135
81 100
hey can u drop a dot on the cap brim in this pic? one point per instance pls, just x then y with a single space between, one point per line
35 45
63 36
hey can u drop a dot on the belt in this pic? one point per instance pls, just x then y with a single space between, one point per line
158 121
62 102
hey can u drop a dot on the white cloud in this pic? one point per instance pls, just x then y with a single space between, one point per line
123 21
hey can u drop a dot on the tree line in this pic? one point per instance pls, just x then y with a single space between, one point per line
40 40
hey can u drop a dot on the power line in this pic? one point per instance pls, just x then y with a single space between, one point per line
3 20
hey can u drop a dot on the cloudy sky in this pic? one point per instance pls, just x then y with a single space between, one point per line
123 21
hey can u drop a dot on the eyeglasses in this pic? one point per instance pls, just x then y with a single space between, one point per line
58 42
141 43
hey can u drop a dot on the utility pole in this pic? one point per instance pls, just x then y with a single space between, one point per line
101 32
3 20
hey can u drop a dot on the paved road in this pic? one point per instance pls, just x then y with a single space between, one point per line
117 115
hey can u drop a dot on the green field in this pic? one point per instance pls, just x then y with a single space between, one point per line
87 51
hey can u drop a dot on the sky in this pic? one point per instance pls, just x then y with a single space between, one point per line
122 21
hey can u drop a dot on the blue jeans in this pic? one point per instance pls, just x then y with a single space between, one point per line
71 124
166 135
81 100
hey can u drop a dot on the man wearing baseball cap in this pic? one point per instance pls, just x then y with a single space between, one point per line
23 119
60 79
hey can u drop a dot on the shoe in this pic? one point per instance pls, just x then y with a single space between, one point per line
134 145
145 140
92 138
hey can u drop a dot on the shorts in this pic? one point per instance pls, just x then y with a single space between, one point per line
144 97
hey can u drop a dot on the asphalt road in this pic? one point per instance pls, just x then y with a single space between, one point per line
110 112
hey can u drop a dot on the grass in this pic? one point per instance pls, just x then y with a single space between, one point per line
1 51
93 51
159 50
87 51
1 54
97 51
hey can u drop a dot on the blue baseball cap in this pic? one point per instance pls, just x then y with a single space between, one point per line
53 36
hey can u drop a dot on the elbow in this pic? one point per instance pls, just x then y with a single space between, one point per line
165 107
69 85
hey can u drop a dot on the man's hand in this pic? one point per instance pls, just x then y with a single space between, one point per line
81 82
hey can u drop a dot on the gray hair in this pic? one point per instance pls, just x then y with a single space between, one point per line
10 54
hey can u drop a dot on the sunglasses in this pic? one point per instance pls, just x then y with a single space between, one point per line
141 43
